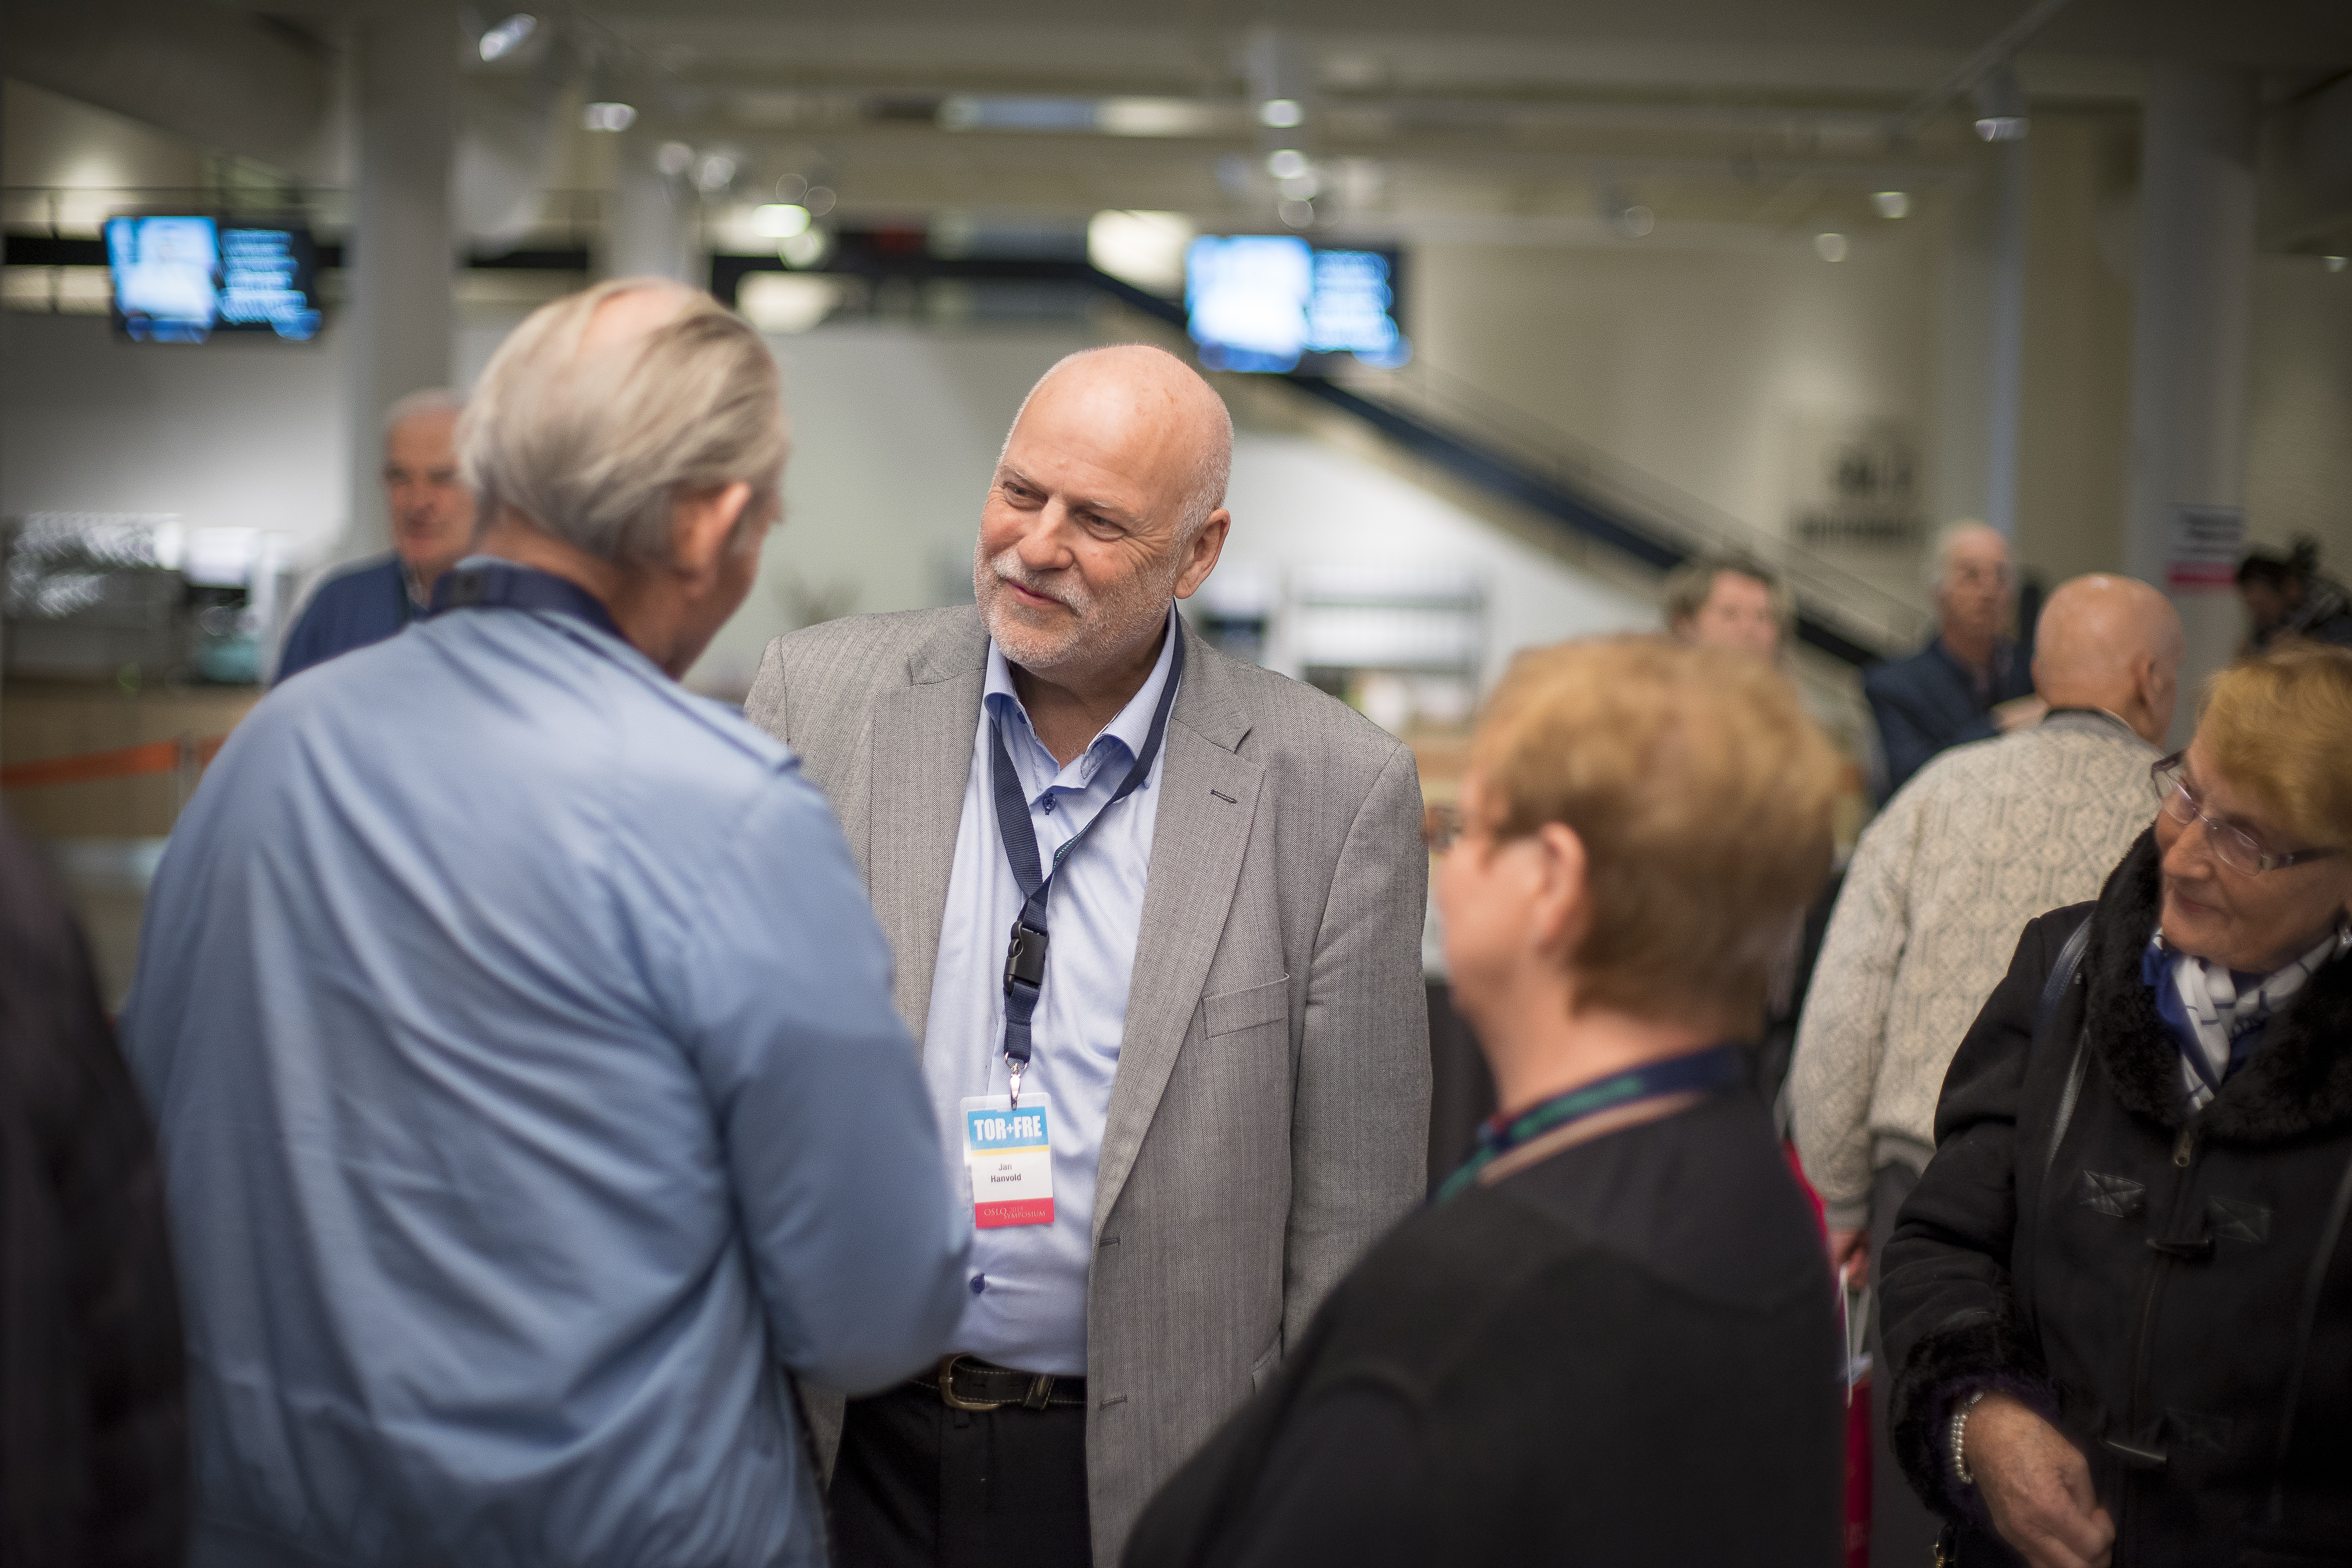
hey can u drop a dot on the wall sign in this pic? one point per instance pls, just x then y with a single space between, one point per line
1854 482
2202 545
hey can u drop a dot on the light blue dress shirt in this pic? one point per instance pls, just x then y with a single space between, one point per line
1026 1301
520 1043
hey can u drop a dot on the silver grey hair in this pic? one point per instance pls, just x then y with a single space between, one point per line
1938 559
1213 470
430 400
593 447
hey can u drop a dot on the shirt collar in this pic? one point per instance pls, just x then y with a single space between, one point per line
1130 727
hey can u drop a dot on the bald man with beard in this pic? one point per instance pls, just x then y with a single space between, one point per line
1986 837
1157 917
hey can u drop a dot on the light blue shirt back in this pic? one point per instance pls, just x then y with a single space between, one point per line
520 1043
1027 1287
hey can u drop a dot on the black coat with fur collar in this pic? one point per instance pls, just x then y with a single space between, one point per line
2139 1274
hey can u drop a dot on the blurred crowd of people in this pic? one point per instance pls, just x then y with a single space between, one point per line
969 1107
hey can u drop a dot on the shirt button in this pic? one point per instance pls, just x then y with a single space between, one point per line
979 1283
1049 806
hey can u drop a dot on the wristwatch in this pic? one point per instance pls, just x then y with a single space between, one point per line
1959 1437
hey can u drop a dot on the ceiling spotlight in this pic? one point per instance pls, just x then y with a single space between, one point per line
1296 214
1282 114
714 172
509 36
1891 204
1303 187
2001 106
779 220
792 189
607 116
1829 246
1286 164
1629 217
674 159
819 200
805 249
2333 263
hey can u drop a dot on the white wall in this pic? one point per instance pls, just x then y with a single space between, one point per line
895 436
237 432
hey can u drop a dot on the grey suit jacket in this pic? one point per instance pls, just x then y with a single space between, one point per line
1269 1118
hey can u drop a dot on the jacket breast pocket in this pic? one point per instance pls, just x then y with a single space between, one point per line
1230 1012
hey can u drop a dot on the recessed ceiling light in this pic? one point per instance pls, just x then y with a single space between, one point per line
509 36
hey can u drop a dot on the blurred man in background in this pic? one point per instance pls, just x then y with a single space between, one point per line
2287 596
1986 837
93 1402
1971 683
1720 601
521 1041
432 526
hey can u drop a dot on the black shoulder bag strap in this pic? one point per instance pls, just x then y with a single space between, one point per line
2061 976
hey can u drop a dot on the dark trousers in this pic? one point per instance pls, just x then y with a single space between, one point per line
919 1485
1902 1530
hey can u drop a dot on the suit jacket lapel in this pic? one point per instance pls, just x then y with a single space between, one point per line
1208 799
922 739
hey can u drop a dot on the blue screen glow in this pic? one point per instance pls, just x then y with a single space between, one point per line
180 279
1266 303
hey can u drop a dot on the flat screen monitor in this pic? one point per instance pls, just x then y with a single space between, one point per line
1273 302
181 280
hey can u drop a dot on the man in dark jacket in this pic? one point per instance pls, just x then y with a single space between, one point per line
1971 682
432 526
93 1450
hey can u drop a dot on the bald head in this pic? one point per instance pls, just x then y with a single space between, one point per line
2112 643
1108 504
1156 408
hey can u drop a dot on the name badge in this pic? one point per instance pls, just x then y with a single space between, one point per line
1008 1152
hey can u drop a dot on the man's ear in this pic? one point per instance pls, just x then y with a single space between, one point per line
1207 543
702 527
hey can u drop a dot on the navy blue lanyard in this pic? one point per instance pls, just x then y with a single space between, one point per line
1710 1068
504 585
1025 953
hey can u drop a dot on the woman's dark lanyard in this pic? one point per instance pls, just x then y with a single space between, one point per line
1709 1069
1025 954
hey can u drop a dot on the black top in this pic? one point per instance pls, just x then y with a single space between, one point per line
1625 1354
1930 702
93 1430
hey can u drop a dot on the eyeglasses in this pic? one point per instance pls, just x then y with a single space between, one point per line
2232 845
1441 825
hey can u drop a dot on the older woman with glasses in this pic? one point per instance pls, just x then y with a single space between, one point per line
2120 1300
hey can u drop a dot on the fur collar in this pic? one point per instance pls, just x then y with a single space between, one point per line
2298 1082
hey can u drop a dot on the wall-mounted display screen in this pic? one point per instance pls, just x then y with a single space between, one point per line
181 280
1273 302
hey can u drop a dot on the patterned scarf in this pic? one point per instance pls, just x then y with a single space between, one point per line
2217 1013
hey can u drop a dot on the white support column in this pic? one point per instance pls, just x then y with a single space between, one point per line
2191 326
2005 395
649 224
401 258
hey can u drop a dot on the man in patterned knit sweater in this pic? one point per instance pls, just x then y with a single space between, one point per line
1982 840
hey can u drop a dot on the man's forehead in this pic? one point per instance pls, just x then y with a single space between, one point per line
427 436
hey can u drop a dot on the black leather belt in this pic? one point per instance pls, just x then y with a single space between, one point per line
968 1382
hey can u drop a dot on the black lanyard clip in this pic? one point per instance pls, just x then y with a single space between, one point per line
1025 957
